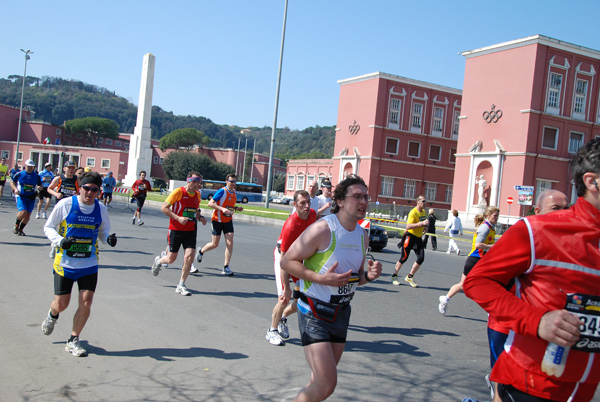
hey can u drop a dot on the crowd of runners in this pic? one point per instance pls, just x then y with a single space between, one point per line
541 293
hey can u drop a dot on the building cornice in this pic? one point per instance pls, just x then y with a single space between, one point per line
559 116
403 80
532 154
531 40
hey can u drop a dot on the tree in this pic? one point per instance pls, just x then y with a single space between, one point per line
183 138
93 127
178 164
279 183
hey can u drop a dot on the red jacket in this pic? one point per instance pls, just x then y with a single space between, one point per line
549 256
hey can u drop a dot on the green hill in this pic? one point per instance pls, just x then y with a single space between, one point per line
56 100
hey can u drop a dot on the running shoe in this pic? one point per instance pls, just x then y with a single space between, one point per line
182 290
395 280
16 230
133 220
193 270
274 338
140 223
156 266
48 324
443 304
164 254
21 233
37 215
227 271
75 348
411 281
283 329
199 255
44 215
457 252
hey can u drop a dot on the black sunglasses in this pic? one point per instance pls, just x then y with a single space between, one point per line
90 189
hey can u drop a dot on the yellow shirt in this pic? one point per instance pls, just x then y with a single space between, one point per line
3 171
415 216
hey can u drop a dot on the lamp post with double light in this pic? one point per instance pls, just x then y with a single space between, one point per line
27 53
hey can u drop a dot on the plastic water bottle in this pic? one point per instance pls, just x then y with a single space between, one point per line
555 359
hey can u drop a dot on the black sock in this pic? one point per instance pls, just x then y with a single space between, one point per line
54 316
22 225
17 223
73 337
410 276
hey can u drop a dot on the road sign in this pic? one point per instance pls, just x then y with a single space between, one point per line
524 188
509 200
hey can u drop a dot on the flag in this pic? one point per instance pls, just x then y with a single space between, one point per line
57 141
46 141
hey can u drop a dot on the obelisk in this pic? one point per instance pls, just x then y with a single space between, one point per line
140 152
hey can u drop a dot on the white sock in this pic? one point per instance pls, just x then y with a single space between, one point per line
181 283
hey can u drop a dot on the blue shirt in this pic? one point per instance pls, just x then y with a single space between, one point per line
46 177
26 182
108 184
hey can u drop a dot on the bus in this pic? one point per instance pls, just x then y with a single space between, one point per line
245 192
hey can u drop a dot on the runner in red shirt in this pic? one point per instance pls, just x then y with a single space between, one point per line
293 227
140 187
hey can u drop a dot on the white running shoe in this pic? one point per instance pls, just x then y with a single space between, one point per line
227 271
274 338
164 254
411 281
182 290
283 329
443 304
199 255
37 215
156 266
75 348
193 269
44 215
48 324
448 252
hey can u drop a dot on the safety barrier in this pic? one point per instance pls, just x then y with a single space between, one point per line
124 195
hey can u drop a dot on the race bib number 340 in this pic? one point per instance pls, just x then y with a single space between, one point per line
587 309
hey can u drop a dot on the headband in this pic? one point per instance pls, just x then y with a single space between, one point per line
90 179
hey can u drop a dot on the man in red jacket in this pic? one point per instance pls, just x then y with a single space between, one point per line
553 259
140 187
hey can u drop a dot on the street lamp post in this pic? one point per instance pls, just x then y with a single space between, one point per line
27 53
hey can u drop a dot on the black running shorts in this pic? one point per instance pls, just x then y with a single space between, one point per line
63 286
218 227
178 238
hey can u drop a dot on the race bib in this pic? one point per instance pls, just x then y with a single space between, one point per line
189 213
82 248
141 187
69 190
343 294
47 179
587 309
26 188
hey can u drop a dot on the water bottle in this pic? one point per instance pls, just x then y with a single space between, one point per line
555 359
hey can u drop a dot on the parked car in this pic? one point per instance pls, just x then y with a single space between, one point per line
286 200
378 238
276 200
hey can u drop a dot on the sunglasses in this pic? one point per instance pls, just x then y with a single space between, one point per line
90 189
194 179
232 181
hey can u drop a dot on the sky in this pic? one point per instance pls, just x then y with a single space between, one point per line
220 59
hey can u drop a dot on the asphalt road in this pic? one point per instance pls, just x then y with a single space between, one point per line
147 343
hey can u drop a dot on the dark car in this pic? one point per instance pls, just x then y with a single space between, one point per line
378 238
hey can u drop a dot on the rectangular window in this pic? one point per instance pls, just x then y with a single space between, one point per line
430 191
387 186
20 156
452 155
290 182
117 143
100 140
91 162
438 120
310 179
580 99
455 126
414 149
105 163
394 121
575 142
554 88
155 160
409 189
550 138
5 154
416 116
448 196
58 132
109 141
391 146
300 183
541 186
161 160
435 154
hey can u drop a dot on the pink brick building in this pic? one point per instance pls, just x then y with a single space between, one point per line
529 104
399 134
